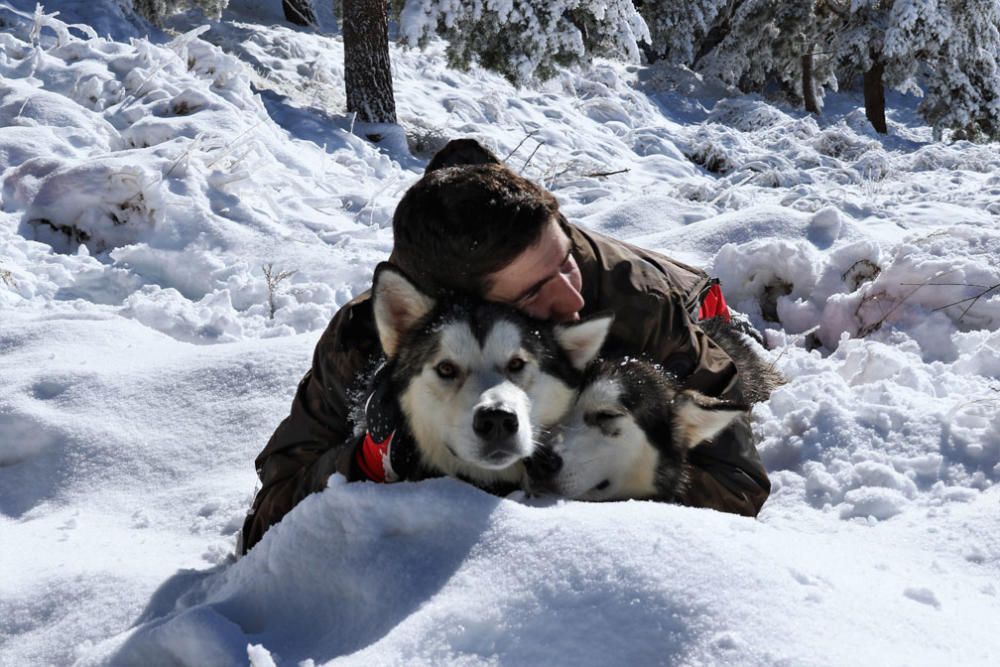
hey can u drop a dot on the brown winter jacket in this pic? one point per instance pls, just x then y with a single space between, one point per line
652 298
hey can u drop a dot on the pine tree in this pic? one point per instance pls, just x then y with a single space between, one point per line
677 29
367 73
773 41
963 86
526 39
946 50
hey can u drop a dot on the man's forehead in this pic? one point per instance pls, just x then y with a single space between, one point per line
536 263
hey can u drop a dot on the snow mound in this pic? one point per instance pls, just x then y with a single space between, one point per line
439 572
157 169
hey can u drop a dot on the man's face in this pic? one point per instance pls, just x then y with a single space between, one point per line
543 281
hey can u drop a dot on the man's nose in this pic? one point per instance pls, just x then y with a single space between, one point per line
565 300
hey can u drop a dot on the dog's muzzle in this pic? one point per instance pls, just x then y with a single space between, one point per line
494 424
497 430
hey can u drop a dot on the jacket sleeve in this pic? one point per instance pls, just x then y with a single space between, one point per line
728 474
315 439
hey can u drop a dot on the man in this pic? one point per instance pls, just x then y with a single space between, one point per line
479 227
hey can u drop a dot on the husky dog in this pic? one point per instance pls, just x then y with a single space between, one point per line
632 427
477 382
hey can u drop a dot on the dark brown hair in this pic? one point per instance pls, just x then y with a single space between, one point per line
458 224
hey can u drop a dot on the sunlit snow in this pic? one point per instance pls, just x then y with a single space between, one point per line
146 183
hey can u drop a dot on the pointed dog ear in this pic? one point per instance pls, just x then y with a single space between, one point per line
582 341
698 417
397 304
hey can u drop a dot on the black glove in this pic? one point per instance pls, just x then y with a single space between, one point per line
386 452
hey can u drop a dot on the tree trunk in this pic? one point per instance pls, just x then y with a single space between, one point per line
720 29
367 75
299 12
808 89
875 97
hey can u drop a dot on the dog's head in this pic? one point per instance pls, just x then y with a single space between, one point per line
478 381
627 436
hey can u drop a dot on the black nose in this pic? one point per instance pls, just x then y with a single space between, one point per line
543 464
492 424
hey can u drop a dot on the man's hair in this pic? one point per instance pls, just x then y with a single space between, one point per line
461 152
459 224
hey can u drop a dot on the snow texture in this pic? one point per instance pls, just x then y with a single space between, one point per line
146 182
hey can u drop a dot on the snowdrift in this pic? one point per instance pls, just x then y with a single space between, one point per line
441 573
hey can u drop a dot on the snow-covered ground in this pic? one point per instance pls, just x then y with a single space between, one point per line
146 185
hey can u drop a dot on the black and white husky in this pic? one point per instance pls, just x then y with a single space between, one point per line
632 427
477 382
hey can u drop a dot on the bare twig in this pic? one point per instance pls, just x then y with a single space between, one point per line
526 137
777 358
273 280
599 174
190 149
528 161
972 300
7 278
234 143
952 285
555 171
874 326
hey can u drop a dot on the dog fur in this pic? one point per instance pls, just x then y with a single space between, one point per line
477 382
632 427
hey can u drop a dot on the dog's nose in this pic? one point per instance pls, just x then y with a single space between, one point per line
493 424
543 464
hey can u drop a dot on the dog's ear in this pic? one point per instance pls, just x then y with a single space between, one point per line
582 340
397 304
698 417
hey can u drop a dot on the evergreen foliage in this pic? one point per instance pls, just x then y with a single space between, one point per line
677 29
766 42
155 11
948 51
963 88
526 39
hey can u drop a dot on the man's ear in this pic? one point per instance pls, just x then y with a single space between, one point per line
582 340
397 304
698 417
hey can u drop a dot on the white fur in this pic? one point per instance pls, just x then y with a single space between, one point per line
582 341
627 460
698 419
397 306
441 412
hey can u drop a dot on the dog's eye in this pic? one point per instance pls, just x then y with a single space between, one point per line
446 370
515 365
601 417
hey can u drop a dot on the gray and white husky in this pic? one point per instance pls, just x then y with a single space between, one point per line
632 427
477 382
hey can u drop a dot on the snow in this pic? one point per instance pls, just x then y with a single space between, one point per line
146 184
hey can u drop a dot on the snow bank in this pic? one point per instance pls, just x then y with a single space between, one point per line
161 163
440 573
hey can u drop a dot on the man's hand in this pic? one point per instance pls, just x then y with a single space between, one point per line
386 452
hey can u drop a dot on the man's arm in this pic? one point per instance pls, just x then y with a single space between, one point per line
314 441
